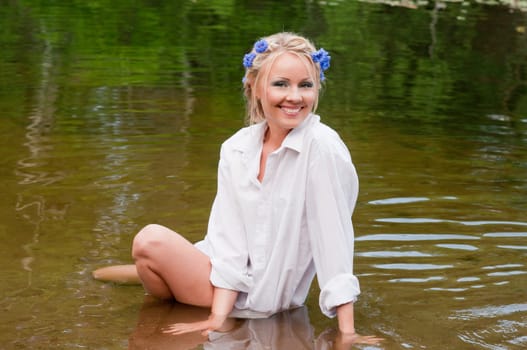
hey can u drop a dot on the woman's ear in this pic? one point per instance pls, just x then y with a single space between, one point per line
256 93
250 83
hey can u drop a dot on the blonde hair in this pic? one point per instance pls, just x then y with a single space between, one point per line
277 44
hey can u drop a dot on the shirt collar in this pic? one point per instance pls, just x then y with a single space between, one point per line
294 140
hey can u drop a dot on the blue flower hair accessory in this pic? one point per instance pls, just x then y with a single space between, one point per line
259 47
323 58
248 59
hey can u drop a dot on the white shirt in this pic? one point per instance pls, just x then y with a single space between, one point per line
267 240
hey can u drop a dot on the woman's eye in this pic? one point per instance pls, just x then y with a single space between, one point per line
279 83
306 84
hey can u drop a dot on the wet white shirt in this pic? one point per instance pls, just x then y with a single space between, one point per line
267 240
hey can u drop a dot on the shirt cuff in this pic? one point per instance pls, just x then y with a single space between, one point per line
229 279
341 289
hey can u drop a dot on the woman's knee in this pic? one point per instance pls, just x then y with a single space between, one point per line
146 240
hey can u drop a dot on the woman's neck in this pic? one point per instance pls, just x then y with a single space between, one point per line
273 138
271 142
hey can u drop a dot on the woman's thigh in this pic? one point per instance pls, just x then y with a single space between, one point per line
168 263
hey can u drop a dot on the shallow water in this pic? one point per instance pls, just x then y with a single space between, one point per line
112 116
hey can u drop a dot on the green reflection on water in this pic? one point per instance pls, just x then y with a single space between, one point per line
112 116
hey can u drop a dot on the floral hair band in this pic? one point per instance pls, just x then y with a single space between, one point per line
259 47
321 57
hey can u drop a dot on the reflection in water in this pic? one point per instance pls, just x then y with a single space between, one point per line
129 164
490 311
286 330
399 200
413 237
457 246
108 125
33 207
506 234
504 324
517 247
417 280
393 254
442 4
467 223
403 266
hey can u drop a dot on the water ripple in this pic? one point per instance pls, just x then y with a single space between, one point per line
417 280
433 221
399 200
490 311
521 340
392 254
519 247
408 266
506 273
412 237
447 289
468 279
505 234
458 246
504 266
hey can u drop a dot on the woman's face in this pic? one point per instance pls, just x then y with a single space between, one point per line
288 94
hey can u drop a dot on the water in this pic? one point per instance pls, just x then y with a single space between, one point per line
112 116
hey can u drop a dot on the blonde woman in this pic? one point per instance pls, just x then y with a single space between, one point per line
286 192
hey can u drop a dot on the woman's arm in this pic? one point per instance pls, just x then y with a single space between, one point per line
222 304
347 335
331 194
346 318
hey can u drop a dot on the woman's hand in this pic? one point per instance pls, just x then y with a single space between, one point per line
346 336
222 304
346 340
219 323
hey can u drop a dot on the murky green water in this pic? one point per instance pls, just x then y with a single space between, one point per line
112 113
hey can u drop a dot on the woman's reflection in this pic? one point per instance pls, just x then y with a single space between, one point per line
286 330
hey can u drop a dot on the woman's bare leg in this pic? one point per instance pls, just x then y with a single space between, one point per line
126 274
171 267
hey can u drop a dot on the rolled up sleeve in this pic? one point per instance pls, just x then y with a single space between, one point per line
331 194
341 289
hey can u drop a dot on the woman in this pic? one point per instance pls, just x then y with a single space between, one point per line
286 192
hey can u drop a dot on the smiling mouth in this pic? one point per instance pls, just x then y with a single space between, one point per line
291 111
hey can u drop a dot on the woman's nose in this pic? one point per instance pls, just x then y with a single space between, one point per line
294 94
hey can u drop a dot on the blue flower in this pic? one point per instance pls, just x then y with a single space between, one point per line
324 64
248 59
323 58
260 46
316 56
